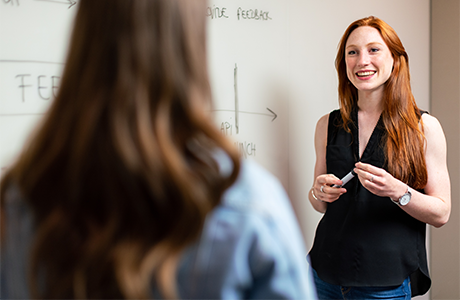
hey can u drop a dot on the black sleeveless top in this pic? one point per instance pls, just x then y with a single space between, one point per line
363 239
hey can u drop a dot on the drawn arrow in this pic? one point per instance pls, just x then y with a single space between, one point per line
274 115
271 114
69 2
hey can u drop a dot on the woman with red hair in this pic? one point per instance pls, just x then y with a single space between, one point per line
371 239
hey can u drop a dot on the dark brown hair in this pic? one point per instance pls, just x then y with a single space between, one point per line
401 116
122 171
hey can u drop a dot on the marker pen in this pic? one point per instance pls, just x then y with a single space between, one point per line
345 179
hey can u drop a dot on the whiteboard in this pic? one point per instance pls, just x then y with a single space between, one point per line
249 70
33 42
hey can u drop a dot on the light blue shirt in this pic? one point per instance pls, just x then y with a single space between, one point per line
251 246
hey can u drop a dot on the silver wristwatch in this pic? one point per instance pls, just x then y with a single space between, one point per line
404 199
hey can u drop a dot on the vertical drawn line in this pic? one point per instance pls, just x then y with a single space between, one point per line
235 79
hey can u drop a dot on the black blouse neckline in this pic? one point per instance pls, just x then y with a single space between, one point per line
373 139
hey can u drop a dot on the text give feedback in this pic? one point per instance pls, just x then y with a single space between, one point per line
216 12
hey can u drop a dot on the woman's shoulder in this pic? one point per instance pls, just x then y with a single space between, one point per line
255 189
254 185
256 200
430 122
258 203
434 136
334 116
432 128
323 121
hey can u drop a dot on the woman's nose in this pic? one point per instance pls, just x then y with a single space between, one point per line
364 59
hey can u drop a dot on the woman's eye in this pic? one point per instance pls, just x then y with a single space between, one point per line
374 49
352 52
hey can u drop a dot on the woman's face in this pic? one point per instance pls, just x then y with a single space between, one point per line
368 59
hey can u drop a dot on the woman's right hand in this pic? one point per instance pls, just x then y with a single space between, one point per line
323 190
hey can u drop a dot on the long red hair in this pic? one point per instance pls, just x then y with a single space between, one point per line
401 116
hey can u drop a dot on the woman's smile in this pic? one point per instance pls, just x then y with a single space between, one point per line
365 75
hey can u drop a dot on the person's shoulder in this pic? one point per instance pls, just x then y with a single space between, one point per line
322 124
323 120
257 205
334 115
256 196
251 169
431 126
430 120
252 178
254 186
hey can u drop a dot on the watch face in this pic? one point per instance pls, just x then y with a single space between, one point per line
404 199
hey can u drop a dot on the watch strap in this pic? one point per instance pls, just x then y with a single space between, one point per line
398 201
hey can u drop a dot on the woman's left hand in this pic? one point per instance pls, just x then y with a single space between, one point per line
433 206
379 182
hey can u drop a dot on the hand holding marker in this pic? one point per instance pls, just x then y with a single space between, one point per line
345 179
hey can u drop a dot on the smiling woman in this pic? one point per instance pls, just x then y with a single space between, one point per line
365 242
368 59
